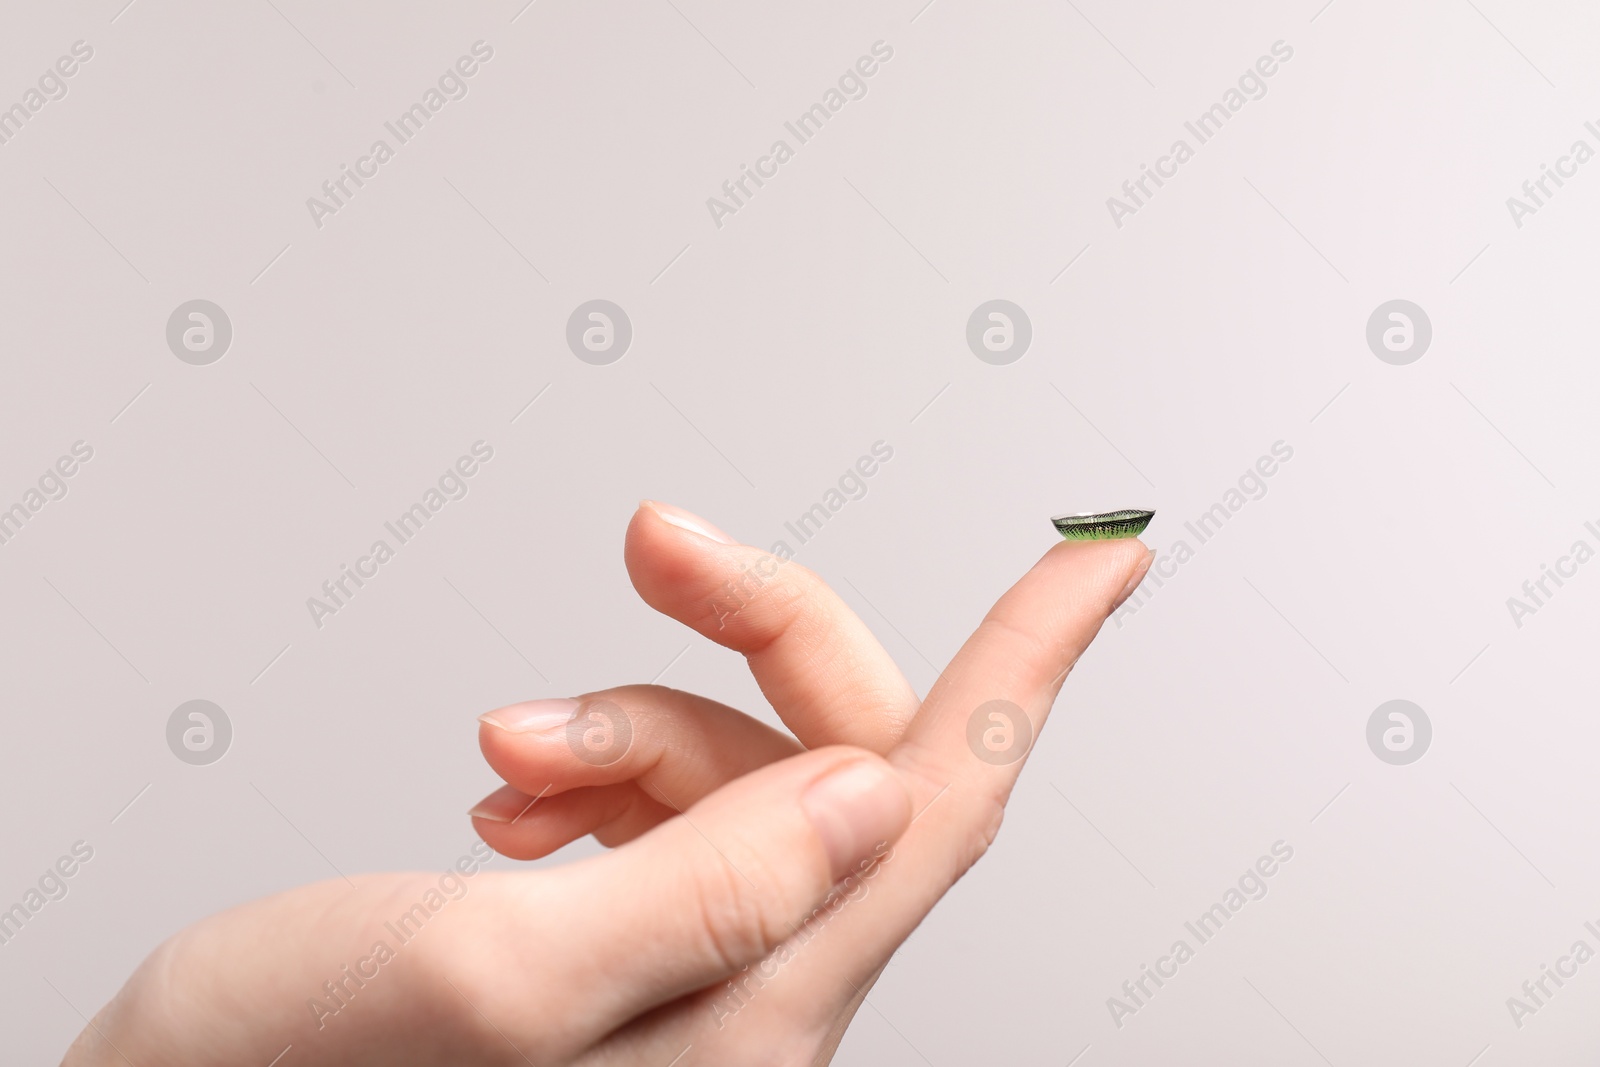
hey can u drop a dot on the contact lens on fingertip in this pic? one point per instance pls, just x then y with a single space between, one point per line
1102 525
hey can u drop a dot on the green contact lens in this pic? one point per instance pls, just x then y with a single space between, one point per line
1103 525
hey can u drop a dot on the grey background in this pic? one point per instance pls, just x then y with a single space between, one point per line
829 313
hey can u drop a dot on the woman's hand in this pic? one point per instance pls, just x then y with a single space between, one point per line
760 885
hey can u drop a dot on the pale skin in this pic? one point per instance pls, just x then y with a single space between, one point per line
725 838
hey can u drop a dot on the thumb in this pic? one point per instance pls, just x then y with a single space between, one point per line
725 883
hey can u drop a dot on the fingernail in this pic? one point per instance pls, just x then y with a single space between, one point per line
503 805
855 810
687 520
532 715
1139 571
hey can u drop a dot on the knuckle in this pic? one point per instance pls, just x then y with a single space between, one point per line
761 604
756 1048
980 815
978 804
990 813
1002 628
741 911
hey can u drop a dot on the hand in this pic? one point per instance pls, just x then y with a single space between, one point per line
640 956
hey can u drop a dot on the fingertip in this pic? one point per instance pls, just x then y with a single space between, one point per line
524 827
502 806
1136 573
1113 548
666 544
1114 567
683 519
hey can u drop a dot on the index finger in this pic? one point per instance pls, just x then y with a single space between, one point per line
975 729
1010 669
